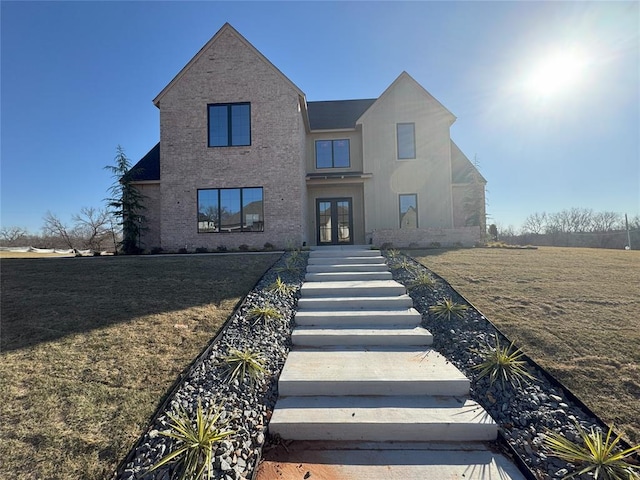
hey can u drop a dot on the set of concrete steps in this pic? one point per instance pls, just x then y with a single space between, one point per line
362 372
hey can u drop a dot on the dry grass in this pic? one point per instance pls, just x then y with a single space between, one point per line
90 346
7 254
575 311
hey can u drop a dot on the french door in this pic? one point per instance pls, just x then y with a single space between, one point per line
334 218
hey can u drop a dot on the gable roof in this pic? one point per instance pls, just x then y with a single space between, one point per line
336 114
405 77
462 170
148 167
226 28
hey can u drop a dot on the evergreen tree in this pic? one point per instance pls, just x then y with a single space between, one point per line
126 203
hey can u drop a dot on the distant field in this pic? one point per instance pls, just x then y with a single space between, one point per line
90 346
575 311
6 254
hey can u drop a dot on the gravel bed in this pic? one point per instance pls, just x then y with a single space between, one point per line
524 413
249 406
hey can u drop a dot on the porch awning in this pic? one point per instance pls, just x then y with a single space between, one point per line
337 177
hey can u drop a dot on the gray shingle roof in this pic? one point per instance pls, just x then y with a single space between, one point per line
336 113
148 168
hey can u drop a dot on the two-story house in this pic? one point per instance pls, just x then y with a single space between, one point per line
243 158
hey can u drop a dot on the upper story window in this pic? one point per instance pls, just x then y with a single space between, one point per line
332 153
230 124
230 210
406 135
409 210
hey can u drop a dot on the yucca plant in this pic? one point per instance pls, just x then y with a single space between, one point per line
597 454
266 312
290 265
240 364
423 279
447 309
404 264
281 287
393 253
504 364
196 439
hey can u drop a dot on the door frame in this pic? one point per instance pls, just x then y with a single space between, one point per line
334 223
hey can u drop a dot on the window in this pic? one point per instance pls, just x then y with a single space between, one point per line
406 134
409 210
332 153
230 210
230 125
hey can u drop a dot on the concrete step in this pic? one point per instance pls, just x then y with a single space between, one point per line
345 260
341 336
346 276
370 371
353 267
382 419
408 317
400 302
352 288
344 252
385 461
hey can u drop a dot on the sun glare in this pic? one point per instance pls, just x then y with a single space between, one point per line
557 73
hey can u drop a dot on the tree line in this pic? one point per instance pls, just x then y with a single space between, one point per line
114 227
576 227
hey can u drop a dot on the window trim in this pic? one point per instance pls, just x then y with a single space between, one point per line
415 196
229 107
413 139
241 206
333 157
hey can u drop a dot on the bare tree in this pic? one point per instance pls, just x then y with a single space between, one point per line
606 222
535 223
92 227
580 219
55 227
11 235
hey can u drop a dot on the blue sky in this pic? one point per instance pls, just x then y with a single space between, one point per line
77 79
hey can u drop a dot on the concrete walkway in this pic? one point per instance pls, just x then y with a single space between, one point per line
362 394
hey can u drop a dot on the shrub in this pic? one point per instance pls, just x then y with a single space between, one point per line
597 455
221 248
423 279
202 250
413 245
156 250
447 309
279 286
196 439
269 246
434 245
244 247
183 250
505 364
266 312
238 364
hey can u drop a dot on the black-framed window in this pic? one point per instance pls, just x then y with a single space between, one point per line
408 210
230 210
229 124
406 137
333 153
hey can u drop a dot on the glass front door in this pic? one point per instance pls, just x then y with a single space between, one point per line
334 220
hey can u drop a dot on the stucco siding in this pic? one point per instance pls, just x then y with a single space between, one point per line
355 150
428 175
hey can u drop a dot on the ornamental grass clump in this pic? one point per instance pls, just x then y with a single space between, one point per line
597 455
264 313
504 364
280 287
423 279
242 364
195 441
447 309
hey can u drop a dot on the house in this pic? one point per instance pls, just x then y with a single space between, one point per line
244 158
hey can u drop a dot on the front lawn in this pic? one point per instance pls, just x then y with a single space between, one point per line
90 346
